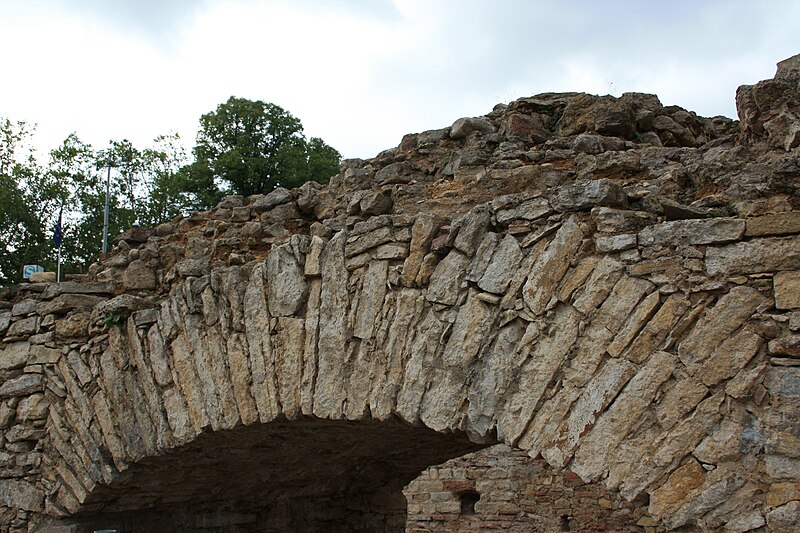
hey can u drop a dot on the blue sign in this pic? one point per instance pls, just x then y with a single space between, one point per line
27 270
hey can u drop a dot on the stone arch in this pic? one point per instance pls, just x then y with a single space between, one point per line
565 341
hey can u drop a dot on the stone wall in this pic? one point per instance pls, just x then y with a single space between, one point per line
610 285
516 494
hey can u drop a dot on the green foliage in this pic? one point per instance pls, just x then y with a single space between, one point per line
243 147
111 320
144 188
249 147
141 191
26 195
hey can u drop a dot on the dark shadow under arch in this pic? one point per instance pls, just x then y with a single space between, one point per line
301 475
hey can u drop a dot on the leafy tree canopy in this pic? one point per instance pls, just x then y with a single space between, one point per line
249 147
144 189
243 147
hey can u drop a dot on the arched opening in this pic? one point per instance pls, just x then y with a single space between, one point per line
300 475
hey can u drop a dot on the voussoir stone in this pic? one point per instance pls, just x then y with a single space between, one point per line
422 233
718 322
502 267
551 265
288 287
446 279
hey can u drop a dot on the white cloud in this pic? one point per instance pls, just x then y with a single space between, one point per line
361 73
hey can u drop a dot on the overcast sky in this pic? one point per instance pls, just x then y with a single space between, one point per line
361 73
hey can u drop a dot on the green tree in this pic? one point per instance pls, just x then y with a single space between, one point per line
143 190
320 162
73 164
146 188
167 197
249 147
28 200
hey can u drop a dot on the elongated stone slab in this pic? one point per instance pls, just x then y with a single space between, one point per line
503 266
591 457
287 282
330 392
754 256
259 343
422 233
445 282
551 265
371 299
694 231
717 323
546 357
657 329
598 394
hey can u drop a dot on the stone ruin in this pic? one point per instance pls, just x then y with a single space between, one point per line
576 312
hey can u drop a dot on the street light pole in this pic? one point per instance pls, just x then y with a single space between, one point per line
105 213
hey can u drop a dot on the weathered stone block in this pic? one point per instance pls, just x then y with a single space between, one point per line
717 323
43 277
5 321
74 287
23 308
67 302
786 286
20 494
464 127
376 203
615 243
584 196
551 266
445 282
773 224
75 325
24 327
785 517
14 355
669 496
787 345
503 265
704 231
287 282
23 385
781 493
751 257
609 220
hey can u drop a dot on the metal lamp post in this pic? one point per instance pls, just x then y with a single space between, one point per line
105 212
